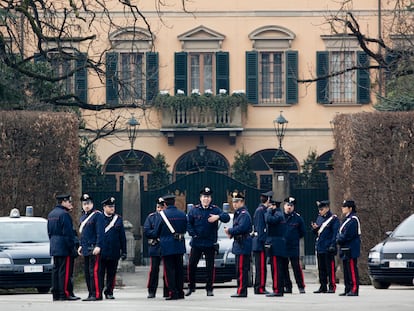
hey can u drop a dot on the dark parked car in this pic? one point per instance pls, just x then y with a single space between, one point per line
24 253
392 260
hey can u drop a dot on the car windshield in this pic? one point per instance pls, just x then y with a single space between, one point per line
405 229
23 232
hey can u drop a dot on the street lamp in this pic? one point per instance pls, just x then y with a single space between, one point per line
132 128
280 125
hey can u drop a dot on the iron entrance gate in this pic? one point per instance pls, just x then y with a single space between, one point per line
187 190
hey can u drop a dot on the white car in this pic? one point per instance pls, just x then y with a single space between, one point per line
24 253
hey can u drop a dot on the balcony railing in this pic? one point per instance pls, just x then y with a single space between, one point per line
201 111
201 117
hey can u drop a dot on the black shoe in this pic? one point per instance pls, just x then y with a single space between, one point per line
152 295
172 298
352 294
239 296
258 292
320 291
302 291
210 293
190 291
275 295
342 294
59 298
288 291
72 298
90 299
110 296
331 291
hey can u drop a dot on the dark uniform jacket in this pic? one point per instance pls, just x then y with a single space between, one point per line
327 237
259 227
114 239
92 234
172 244
203 233
242 226
276 232
348 237
154 248
295 230
61 234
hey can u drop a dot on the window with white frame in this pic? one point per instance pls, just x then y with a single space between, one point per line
201 65
201 71
131 67
272 67
271 77
131 86
342 72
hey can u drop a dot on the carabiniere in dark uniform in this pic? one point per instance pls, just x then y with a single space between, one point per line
242 244
62 242
154 249
114 246
91 237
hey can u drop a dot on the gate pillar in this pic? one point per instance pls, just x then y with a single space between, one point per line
131 198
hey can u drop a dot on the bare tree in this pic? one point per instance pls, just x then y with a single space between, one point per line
390 51
57 30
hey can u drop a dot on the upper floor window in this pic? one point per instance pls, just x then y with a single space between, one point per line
342 85
71 69
60 67
272 68
201 66
131 69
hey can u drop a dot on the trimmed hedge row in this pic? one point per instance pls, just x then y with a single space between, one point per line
374 165
39 154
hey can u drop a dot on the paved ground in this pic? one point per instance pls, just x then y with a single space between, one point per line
132 296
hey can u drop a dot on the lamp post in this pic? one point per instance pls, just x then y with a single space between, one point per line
131 197
132 128
280 162
280 125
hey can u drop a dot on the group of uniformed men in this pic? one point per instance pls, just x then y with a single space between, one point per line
102 243
275 238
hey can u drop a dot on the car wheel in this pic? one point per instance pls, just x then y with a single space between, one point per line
43 290
380 285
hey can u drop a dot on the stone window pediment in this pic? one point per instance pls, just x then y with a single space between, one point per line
272 37
201 39
131 39
340 42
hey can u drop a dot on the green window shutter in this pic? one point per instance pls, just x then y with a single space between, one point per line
363 79
152 75
252 77
222 72
291 77
81 78
111 78
180 72
322 69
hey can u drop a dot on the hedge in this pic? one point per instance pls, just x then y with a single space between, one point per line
373 164
39 154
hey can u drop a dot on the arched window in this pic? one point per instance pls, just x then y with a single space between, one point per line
114 165
193 161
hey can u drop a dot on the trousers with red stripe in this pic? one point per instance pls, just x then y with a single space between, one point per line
277 264
242 273
326 269
351 275
92 270
61 277
261 271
